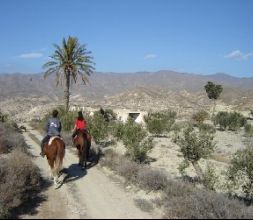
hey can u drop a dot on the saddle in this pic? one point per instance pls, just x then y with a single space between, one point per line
53 138
85 133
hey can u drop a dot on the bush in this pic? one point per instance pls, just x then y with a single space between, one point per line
206 128
98 127
180 200
222 119
19 180
135 173
240 172
10 139
210 178
200 117
135 140
194 146
236 121
151 179
248 130
200 204
160 122
232 121
117 130
3 117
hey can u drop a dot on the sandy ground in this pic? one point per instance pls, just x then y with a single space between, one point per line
166 155
90 194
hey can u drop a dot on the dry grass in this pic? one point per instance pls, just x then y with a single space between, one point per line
144 205
19 177
19 182
10 139
180 199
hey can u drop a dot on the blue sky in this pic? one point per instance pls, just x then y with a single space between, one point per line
195 36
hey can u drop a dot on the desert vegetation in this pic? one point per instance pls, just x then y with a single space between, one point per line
195 142
213 92
160 123
179 199
19 177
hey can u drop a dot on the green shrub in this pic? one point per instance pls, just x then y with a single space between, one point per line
160 122
194 146
3 117
117 130
222 119
210 178
236 121
233 121
136 141
98 127
240 172
248 130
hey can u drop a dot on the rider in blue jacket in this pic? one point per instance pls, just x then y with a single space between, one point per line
53 128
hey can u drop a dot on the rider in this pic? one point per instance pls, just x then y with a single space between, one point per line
53 128
81 124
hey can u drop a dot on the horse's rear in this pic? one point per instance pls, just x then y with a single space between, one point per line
55 152
82 143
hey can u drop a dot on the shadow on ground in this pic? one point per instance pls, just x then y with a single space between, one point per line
35 199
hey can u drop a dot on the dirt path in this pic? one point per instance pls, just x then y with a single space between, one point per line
88 194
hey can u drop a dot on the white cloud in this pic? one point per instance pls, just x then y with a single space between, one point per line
238 55
30 55
150 56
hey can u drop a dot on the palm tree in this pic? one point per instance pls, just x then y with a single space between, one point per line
70 62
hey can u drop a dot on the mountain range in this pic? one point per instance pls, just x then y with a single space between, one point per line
141 90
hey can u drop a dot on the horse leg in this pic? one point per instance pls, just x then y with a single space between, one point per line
85 155
52 173
80 157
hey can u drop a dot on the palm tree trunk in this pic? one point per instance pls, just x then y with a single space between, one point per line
198 170
66 92
214 106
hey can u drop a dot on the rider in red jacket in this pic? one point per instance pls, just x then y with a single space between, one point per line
81 124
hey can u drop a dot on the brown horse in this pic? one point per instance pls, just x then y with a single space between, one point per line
55 152
82 142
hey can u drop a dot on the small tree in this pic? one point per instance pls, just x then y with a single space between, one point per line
240 172
194 146
135 138
213 92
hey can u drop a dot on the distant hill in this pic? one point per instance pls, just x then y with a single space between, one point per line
142 90
110 84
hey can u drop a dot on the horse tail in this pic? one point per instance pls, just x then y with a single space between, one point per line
59 156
